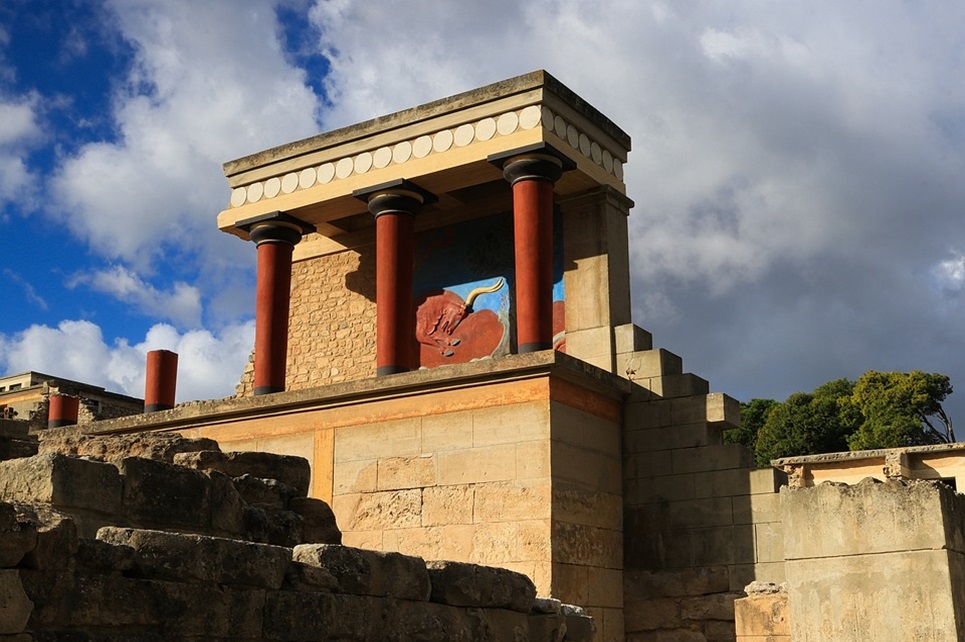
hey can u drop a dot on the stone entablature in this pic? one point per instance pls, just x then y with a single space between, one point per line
443 145
940 462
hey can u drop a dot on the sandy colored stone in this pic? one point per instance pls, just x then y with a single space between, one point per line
15 606
114 448
395 473
461 584
62 481
318 521
496 463
762 614
512 501
365 572
391 509
443 505
292 471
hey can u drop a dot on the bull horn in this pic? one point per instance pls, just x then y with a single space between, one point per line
483 290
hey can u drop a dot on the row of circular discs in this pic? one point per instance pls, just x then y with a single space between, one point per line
440 142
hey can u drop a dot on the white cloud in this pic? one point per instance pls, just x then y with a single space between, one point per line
209 83
19 133
182 304
209 365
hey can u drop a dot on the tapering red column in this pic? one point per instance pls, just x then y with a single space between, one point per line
532 177
161 380
62 410
394 206
275 236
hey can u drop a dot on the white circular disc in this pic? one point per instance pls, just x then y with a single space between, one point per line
596 153
344 167
618 169
402 152
442 141
485 129
507 123
289 183
422 146
530 117
559 126
572 136
255 190
463 135
584 144
272 187
607 160
238 196
382 157
306 178
325 173
363 163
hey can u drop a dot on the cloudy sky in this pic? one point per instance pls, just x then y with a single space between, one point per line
798 168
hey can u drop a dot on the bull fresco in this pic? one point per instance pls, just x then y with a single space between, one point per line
463 292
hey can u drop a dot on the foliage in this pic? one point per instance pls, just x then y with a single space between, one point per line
879 410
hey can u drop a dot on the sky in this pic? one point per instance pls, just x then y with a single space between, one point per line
798 168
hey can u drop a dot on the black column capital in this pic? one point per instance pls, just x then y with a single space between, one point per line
275 227
532 162
398 196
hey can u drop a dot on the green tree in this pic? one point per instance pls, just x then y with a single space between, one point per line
901 409
809 423
753 415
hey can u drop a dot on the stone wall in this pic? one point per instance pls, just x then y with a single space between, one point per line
197 544
880 561
704 523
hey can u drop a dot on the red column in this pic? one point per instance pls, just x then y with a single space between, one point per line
275 242
160 382
394 213
62 410
532 177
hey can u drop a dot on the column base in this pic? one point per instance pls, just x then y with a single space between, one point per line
382 371
534 346
60 423
267 390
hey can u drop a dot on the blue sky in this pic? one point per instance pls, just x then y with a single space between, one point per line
797 168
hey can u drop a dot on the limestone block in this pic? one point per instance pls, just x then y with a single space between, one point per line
611 625
101 556
762 614
113 448
570 582
698 513
278 527
654 363
395 473
769 540
61 481
512 501
495 543
428 622
757 508
742 574
510 424
533 459
723 410
264 493
722 483
645 415
318 521
453 541
605 587
471 585
365 572
378 511
57 539
585 430
16 538
548 627
591 508
630 337
355 476
705 580
675 385
668 438
500 624
449 431
766 481
227 515
587 545
305 577
178 556
719 606
164 495
593 345
579 625
289 470
669 488
447 505
591 470
15 606
495 463
398 438
648 464
712 457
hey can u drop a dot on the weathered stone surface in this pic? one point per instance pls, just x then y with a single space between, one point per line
704 580
387 510
57 540
289 470
579 625
547 627
161 494
762 614
61 481
719 606
426 622
16 537
318 526
98 555
305 577
308 617
461 584
278 527
114 448
369 572
15 607
269 494
226 506
176 556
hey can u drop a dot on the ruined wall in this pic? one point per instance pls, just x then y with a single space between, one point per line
119 546
880 561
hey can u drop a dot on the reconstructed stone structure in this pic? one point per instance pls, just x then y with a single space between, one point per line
443 332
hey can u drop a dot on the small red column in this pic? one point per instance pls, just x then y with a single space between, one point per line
532 177
161 380
62 410
394 206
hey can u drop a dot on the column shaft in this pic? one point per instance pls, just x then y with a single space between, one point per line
62 410
160 381
395 330
271 315
533 230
